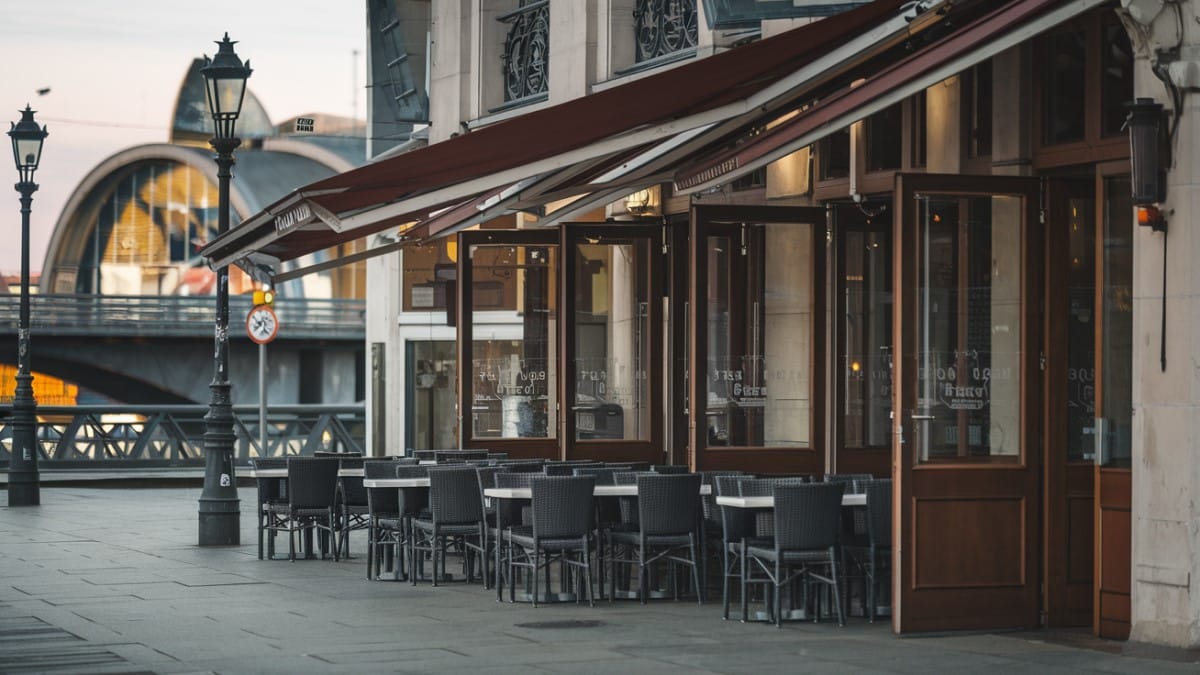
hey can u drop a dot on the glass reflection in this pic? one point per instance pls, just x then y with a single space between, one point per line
1116 414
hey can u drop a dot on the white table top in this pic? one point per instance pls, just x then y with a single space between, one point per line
768 502
396 482
598 491
282 473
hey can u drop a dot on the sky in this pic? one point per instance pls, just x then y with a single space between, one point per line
114 68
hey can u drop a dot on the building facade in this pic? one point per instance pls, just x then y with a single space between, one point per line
898 240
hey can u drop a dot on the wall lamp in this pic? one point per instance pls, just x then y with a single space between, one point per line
1146 155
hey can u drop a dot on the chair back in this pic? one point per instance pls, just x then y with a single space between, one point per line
669 469
558 469
765 487
602 474
332 453
353 492
848 478
667 503
879 511
381 500
312 482
808 517
511 510
454 495
708 502
411 461
627 477
486 476
524 467
562 506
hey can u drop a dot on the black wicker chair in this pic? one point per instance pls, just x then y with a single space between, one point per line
807 527
667 523
385 526
352 508
562 526
872 553
737 531
850 479
309 510
456 516
270 491
509 513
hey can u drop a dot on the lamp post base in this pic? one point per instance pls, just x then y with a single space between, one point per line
220 522
23 488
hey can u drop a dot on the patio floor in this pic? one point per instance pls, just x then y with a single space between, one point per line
101 580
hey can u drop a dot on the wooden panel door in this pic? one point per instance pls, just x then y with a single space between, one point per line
967 465
757 345
1070 398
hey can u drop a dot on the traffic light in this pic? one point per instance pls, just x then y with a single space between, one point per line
265 296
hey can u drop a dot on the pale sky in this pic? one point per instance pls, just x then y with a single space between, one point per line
114 68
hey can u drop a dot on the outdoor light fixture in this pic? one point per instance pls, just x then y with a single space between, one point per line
23 482
1145 152
224 86
640 203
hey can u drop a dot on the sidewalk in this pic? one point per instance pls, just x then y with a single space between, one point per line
110 580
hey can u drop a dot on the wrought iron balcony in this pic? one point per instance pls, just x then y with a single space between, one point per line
664 27
527 51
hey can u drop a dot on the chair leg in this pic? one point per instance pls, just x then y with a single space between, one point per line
745 590
641 580
696 573
725 583
837 595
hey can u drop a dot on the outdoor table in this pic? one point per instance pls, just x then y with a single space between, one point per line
282 473
767 502
625 490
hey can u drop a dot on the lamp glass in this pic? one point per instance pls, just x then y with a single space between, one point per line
27 152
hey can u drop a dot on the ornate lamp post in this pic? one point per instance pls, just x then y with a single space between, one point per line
23 489
224 85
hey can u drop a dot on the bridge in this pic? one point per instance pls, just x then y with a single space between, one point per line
158 349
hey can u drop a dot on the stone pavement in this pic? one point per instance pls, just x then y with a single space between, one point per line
104 580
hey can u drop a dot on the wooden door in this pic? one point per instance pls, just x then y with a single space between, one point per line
757 345
967 464
612 343
1114 406
508 321
1070 397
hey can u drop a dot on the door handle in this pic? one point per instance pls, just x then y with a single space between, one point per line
924 418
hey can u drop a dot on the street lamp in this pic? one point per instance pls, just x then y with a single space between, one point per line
224 86
23 489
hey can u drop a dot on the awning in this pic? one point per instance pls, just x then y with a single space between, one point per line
582 138
977 41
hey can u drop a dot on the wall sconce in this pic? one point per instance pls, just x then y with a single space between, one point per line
1145 152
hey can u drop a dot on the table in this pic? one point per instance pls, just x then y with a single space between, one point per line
768 502
282 473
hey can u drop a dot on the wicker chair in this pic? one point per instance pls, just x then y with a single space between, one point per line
737 531
385 526
312 493
807 527
667 521
848 478
669 468
873 553
764 524
486 476
509 513
270 491
352 508
562 526
456 517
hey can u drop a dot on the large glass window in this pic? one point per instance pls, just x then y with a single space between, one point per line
759 310
612 340
431 369
885 131
1081 329
866 371
969 328
1063 90
514 320
1116 394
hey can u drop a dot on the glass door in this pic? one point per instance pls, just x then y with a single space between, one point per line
507 333
613 343
966 368
756 339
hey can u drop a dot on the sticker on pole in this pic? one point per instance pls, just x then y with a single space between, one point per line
261 324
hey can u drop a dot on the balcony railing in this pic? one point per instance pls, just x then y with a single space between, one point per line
664 27
173 435
527 51
175 316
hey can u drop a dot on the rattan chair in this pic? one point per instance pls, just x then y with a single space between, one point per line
385 526
509 513
270 491
352 508
873 553
456 517
666 528
807 526
562 531
309 510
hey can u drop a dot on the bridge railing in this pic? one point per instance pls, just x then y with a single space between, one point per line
176 315
108 437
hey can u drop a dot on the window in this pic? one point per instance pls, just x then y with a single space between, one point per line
884 136
834 154
525 65
977 89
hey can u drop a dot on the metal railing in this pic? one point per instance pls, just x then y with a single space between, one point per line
108 437
176 316
526 58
